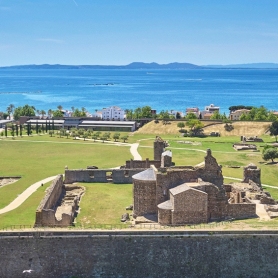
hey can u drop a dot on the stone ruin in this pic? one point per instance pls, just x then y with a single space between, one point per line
125 173
60 205
164 193
250 139
191 195
244 147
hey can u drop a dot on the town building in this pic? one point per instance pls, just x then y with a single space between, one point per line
175 113
86 123
113 113
235 115
193 110
209 110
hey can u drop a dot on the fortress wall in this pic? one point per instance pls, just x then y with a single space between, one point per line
167 255
241 210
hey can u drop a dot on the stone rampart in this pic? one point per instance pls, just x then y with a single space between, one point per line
142 255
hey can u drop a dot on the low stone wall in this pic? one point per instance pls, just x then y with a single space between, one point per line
45 208
103 175
240 211
131 164
154 255
45 213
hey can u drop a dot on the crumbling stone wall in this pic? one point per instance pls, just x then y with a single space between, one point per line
45 213
252 173
131 164
158 147
101 175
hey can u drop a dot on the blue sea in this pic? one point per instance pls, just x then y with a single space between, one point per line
160 89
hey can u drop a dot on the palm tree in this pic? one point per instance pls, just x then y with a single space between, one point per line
49 113
43 113
60 107
10 110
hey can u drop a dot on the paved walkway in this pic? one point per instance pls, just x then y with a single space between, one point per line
134 151
25 194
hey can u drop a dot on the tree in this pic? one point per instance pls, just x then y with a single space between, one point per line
103 138
10 110
271 117
216 116
57 114
51 132
274 129
85 135
270 153
195 125
190 116
129 114
43 113
116 136
60 107
124 138
238 107
94 137
25 110
49 113
78 113
181 125
146 112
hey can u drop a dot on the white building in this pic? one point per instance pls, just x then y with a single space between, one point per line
209 110
113 113
175 112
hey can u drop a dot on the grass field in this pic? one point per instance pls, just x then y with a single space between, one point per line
104 203
40 156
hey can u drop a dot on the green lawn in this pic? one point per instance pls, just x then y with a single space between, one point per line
104 203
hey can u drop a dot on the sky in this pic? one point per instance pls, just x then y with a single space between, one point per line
118 32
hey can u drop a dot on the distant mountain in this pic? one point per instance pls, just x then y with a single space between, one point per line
149 66
135 65
246 66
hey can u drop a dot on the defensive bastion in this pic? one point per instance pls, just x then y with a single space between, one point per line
142 254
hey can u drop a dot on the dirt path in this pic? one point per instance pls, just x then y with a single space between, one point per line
25 194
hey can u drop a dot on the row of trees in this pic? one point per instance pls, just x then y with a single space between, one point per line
17 130
28 110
